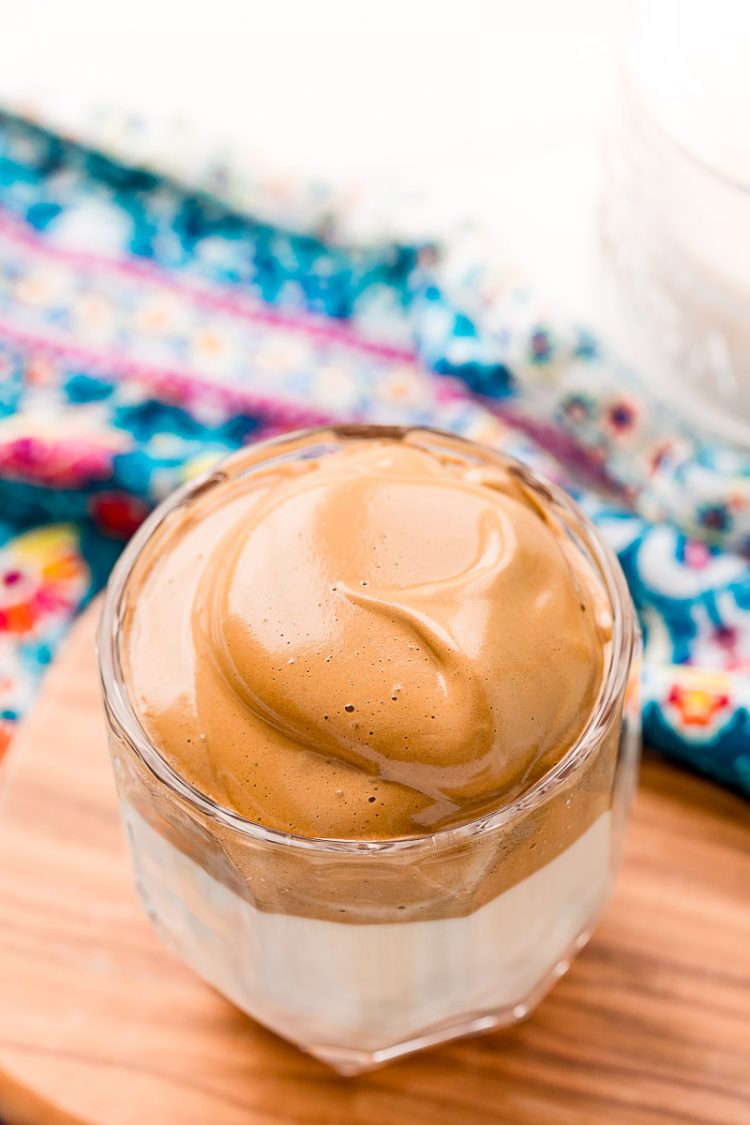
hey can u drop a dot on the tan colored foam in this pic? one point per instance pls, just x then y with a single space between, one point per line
373 643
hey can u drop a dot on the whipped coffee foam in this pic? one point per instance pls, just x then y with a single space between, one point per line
370 643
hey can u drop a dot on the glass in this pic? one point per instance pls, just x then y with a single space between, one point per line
362 951
676 209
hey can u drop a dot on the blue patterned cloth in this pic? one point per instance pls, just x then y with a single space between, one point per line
147 328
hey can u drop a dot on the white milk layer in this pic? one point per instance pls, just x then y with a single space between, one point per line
369 986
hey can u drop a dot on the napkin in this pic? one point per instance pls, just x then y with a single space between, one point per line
157 312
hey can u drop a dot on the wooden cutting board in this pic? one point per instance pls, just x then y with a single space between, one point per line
99 1024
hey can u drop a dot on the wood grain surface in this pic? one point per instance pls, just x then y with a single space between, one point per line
99 1024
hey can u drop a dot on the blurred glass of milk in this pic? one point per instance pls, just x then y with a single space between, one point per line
676 205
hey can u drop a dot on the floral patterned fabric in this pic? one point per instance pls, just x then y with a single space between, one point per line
148 327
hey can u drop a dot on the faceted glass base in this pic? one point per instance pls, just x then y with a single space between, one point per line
350 1061
358 996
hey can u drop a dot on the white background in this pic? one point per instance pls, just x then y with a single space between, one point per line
493 107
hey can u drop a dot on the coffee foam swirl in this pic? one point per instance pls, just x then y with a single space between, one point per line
381 641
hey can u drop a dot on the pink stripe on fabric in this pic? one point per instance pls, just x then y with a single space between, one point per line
191 386
318 327
449 389
564 448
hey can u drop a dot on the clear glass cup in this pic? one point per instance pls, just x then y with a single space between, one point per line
362 951
675 215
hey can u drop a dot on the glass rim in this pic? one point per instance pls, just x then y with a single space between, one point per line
123 719
635 90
